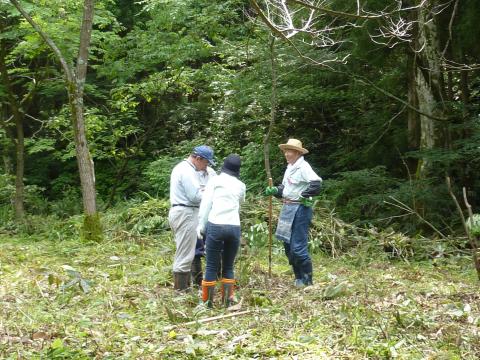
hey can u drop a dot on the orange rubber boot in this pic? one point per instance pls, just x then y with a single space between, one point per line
208 290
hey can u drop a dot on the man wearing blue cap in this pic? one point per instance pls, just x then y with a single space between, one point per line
187 182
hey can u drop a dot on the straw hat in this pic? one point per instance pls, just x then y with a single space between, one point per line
293 144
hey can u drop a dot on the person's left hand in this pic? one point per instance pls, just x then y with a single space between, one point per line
306 201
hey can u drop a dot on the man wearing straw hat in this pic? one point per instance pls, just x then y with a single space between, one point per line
299 184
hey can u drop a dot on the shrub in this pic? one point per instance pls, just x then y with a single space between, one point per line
147 217
373 197
69 204
157 175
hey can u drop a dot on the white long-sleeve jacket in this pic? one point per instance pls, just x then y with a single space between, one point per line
221 201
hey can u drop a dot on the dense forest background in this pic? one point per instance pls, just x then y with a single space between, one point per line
100 99
387 106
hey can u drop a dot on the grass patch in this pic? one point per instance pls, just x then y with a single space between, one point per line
113 300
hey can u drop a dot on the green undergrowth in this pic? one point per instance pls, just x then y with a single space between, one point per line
66 299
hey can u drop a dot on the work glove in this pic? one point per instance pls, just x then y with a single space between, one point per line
306 201
200 232
271 190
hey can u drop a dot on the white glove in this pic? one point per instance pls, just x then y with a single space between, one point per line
199 232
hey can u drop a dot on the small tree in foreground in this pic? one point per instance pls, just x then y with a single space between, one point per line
75 83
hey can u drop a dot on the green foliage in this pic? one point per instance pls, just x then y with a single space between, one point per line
253 167
34 200
7 189
149 217
359 195
376 310
158 173
58 350
165 76
68 204
76 280
257 235
473 224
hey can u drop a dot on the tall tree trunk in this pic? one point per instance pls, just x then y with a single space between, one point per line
412 115
429 87
7 145
468 176
91 228
75 82
19 135
84 160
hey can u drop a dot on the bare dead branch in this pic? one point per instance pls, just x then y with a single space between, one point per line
472 239
396 98
398 204
450 25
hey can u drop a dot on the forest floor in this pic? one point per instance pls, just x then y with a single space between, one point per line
69 300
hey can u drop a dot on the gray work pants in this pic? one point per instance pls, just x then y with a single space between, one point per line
183 222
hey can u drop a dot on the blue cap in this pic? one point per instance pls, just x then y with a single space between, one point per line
205 152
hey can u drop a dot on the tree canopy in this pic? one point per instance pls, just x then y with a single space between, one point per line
384 97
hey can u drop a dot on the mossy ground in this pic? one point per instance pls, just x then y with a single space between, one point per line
114 300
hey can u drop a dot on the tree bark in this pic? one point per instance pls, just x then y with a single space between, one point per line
75 83
19 135
76 89
412 115
429 87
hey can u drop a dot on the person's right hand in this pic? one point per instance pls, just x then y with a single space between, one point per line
271 190
199 232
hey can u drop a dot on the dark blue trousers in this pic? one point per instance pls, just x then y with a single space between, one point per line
297 249
222 243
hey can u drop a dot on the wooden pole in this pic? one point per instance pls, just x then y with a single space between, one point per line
266 150
270 220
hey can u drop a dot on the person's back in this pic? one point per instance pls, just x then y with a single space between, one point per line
225 193
219 218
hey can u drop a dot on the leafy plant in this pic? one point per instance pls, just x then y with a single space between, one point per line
76 279
473 224
145 217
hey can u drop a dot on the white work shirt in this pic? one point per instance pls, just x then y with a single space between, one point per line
221 201
187 184
297 178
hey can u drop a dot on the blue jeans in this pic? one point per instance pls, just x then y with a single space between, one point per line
222 242
297 250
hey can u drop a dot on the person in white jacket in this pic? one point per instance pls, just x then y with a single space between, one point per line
219 219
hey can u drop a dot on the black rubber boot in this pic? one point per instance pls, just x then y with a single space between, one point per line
228 286
197 273
297 272
307 272
181 281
